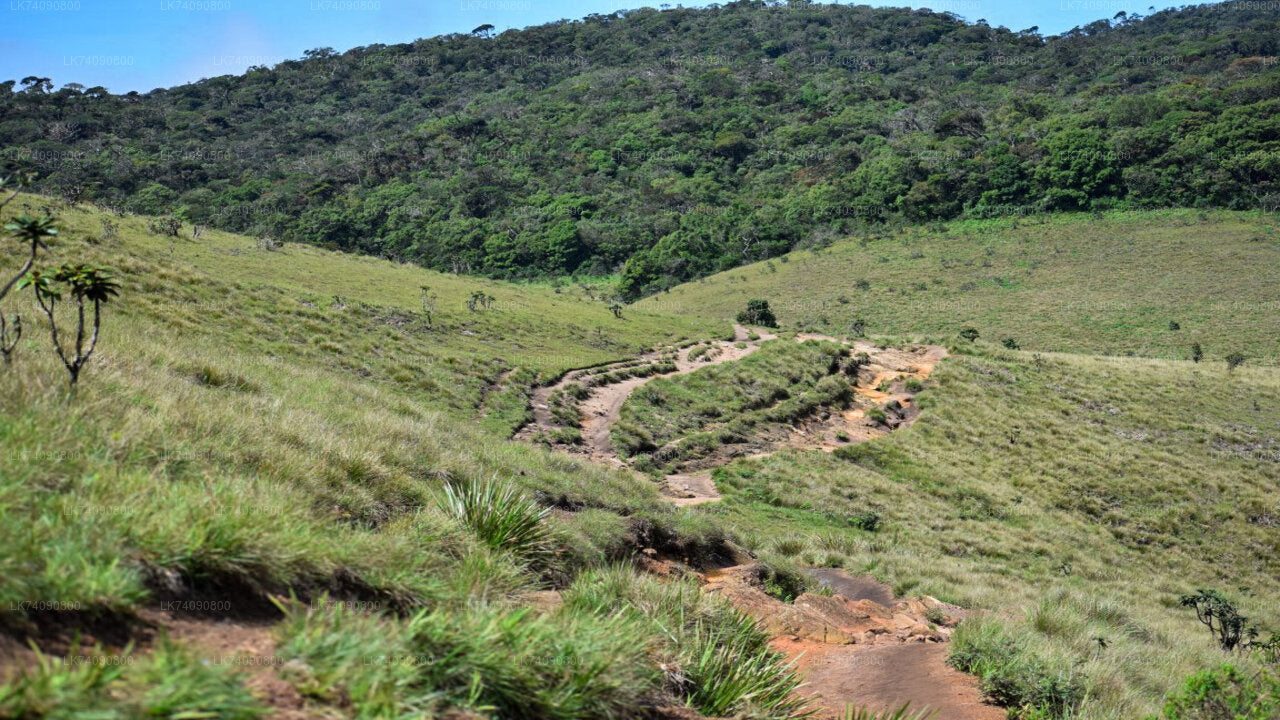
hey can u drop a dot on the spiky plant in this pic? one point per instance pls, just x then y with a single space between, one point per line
500 515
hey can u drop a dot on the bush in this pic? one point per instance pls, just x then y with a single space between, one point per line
1226 694
758 313
868 521
1235 360
969 333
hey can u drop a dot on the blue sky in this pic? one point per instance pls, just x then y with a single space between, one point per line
143 44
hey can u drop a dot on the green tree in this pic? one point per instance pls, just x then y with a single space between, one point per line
90 288
758 312
1221 616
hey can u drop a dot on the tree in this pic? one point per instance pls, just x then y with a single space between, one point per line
616 309
758 313
428 304
86 286
484 30
37 85
1220 615
31 232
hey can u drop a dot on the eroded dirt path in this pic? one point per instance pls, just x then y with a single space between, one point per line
861 646
883 382
855 643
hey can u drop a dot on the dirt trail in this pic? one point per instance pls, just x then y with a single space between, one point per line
881 381
859 645
885 677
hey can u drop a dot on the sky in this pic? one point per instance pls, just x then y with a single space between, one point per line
140 45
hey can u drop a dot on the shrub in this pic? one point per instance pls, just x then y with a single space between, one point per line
782 579
1227 626
758 312
868 521
1235 360
1226 694
500 515
1010 343
1197 353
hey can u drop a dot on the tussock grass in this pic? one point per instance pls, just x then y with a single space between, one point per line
485 658
716 659
502 517
93 683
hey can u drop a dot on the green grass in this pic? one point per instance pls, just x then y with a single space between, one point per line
1108 284
240 427
286 422
93 683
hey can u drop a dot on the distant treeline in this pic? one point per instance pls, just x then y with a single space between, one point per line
671 144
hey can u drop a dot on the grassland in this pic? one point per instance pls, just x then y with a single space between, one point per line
284 422
1109 284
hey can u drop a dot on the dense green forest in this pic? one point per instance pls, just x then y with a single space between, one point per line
667 145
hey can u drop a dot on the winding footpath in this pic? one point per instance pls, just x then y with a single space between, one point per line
856 643
881 383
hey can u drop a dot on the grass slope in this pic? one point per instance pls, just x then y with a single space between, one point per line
1102 284
241 431
1076 497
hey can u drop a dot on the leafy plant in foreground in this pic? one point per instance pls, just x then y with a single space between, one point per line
1225 693
85 285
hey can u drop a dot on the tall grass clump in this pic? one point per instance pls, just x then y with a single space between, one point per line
500 515
170 682
716 659
1011 674
483 658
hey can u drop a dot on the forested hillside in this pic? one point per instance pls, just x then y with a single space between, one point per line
673 144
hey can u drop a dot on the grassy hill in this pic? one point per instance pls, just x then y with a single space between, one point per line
281 445
282 422
1109 284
